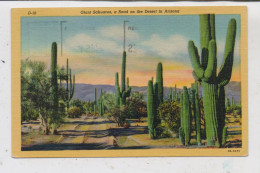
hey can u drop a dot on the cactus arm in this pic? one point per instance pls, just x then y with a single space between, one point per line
210 71
159 81
194 56
127 83
73 88
116 80
128 92
123 71
195 76
212 27
226 68
204 30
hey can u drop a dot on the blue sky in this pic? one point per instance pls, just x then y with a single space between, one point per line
94 45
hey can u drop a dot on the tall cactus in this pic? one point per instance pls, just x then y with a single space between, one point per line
159 81
205 72
151 110
197 115
117 90
185 130
101 104
170 94
95 101
125 89
54 82
70 85
175 93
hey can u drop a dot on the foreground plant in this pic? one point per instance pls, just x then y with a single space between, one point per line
205 69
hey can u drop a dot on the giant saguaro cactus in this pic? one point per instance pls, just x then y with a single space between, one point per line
186 116
196 108
54 83
205 72
159 81
101 104
125 89
175 93
70 85
151 112
54 86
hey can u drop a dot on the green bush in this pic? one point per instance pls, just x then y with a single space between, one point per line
74 112
169 113
118 116
135 108
80 104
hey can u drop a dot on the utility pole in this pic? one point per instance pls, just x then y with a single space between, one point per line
124 32
61 22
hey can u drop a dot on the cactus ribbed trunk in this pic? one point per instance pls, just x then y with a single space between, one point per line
70 85
175 93
54 82
205 72
117 90
186 116
210 110
197 113
159 81
123 86
221 113
151 110
181 132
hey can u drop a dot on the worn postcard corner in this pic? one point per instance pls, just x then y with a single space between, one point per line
129 82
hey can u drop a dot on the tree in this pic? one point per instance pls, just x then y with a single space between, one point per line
136 106
169 113
36 97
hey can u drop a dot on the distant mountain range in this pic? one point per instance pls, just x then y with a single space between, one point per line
85 92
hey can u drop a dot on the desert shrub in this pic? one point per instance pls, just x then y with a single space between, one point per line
169 113
237 110
80 104
74 112
118 116
135 108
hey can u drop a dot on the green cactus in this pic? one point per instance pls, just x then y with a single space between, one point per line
197 115
125 89
117 90
186 116
227 103
170 95
70 85
95 101
175 93
181 136
181 132
151 110
205 72
224 136
101 104
54 87
159 81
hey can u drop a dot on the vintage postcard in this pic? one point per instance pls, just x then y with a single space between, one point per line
129 82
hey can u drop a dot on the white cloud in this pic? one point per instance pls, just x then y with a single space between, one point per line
172 46
115 32
92 44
